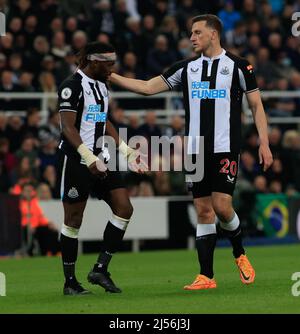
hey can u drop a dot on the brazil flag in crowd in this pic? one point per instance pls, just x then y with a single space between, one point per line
272 214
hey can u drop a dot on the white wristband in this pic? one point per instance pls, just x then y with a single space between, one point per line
124 149
86 155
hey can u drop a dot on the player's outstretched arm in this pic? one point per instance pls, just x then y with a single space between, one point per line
256 106
143 87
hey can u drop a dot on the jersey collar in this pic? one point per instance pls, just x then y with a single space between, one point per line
215 57
85 76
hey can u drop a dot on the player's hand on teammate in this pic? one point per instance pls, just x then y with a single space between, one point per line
265 156
99 169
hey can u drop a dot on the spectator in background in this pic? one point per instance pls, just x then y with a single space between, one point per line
133 125
118 118
47 152
14 132
275 187
41 48
275 46
49 176
29 151
7 159
229 16
102 19
51 130
31 127
15 65
253 45
79 40
15 26
275 141
30 30
48 85
266 68
237 37
283 106
149 32
260 184
149 128
3 124
160 10
249 167
7 44
66 67
130 64
292 49
48 64
59 48
35 226
120 15
7 85
25 83
186 9
276 173
71 27
249 10
21 174
176 127
285 65
169 28
251 142
44 192
2 62
159 57
184 49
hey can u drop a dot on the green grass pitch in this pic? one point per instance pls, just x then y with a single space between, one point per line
152 283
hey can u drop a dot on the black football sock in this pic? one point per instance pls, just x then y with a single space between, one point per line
205 246
112 240
233 232
236 241
69 249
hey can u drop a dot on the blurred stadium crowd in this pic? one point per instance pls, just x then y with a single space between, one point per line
39 51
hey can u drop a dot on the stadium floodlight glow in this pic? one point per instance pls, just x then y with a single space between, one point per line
2 285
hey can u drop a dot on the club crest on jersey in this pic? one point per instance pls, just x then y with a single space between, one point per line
225 70
194 70
66 93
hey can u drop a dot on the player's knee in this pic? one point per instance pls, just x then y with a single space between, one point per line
223 209
125 211
74 220
224 213
205 215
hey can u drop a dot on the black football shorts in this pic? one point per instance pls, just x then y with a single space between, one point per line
77 183
220 174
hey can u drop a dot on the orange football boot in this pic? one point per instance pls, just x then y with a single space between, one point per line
247 273
202 282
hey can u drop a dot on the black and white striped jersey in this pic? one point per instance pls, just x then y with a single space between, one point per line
88 98
212 93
